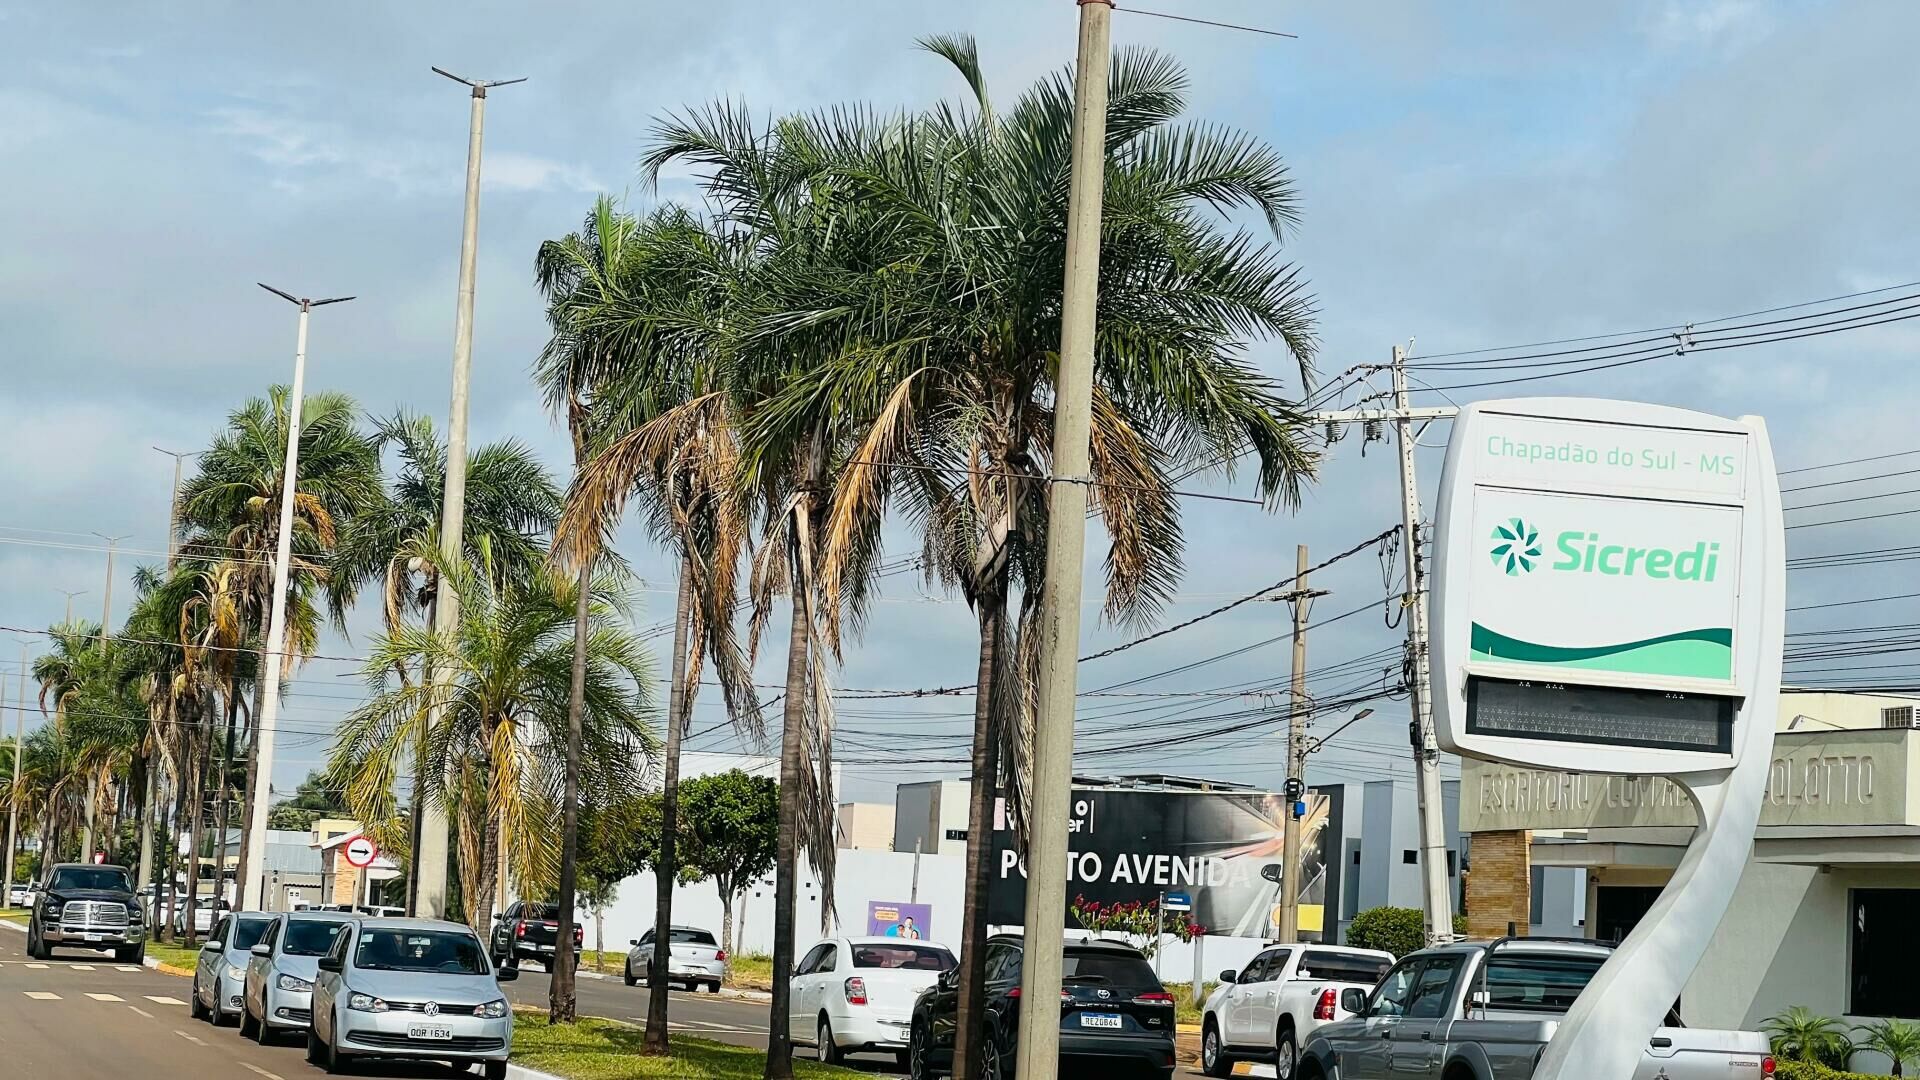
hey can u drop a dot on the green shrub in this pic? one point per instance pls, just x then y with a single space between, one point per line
1398 930
1800 1034
1807 1070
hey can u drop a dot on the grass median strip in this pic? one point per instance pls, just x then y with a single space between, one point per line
595 1049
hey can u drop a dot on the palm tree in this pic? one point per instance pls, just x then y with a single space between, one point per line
511 504
230 509
1799 1034
627 375
934 317
1897 1040
496 752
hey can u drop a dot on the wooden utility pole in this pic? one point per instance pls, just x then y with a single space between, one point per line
1297 716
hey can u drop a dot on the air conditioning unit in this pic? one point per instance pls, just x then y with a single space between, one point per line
1897 717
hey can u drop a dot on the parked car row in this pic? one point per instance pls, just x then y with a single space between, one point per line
357 987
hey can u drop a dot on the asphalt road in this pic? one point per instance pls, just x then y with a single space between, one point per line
82 1017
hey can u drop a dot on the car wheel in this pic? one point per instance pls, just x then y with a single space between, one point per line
263 1032
215 1014
246 1021
825 1050
627 974
1311 1070
919 1053
546 966
494 1070
333 1060
135 955
37 948
1286 1055
197 1010
713 987
1214 1059
992 1064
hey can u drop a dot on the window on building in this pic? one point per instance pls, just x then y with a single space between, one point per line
1884 939
1453 869
1536 884
1897 717
1356 856
1410 856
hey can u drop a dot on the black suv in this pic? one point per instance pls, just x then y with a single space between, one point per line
88 906
527 931
1113 1011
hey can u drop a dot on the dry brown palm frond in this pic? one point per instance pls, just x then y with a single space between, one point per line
1138 508
860 497
662 452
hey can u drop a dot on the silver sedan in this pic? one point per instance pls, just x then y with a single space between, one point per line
281 970
410 988
220 973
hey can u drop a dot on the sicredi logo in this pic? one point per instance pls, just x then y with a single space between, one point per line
1516 550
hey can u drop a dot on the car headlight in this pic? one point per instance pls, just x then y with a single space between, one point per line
492 1010
288 982
366 1003
53 908
238 974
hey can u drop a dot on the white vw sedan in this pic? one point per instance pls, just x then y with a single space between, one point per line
853 995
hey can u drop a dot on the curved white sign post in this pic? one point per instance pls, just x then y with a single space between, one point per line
1610 597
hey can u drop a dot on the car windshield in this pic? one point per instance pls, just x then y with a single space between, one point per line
910 957
1540 982
91 877
448 952
310 937
691 937
248 932
1107 969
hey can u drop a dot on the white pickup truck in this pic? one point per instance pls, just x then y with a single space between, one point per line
1486 1011
1266 1011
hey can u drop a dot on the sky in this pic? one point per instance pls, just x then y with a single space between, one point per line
1469 178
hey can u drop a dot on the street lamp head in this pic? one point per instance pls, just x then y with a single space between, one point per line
298 301
281 293
479 86
1361 715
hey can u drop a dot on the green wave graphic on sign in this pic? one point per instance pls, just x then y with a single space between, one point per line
1706 653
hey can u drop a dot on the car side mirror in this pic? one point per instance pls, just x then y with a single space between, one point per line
949 978
507 973
263 949
1479 999
633 941
1354 1000
330 963
1229 975
212 946
497 917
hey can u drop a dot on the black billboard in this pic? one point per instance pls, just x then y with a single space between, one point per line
1224 849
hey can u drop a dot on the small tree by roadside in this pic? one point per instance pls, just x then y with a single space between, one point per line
729 826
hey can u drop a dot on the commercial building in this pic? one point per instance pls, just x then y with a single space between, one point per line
1823 916
867 826
931 817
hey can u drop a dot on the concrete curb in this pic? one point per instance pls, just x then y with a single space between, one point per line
521 1072
11 925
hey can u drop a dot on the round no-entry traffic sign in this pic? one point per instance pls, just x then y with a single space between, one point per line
361 851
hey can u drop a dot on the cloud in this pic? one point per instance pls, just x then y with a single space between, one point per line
513 171
280 141
1719 24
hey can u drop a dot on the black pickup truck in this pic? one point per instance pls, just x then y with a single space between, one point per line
88 906
527 931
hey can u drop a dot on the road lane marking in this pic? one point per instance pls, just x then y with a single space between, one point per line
189 1038
127 967
42 995
106 997
141 1011
38 967
162 999
261 1071
79 967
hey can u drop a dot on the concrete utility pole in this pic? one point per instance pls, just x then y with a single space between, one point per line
19 737
70 594
1297 716
430 854
173 551
273 658
106 601
1426 750
1039 1037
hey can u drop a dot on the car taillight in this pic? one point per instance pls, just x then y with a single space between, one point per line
1766 1067
1155 997
856 991
1323 1009
719 954
1015 993
519 930
576 935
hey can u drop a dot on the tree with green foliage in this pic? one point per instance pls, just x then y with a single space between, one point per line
730 831
314 799
1897 1040
1800 1034
1398 930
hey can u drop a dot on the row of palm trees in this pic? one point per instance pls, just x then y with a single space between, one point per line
860 329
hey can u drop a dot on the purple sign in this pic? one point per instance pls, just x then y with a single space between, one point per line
913 921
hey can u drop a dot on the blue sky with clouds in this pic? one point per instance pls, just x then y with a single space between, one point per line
1469 177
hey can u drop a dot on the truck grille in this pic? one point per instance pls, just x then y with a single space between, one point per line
93 915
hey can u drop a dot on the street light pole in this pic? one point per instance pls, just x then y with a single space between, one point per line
70 594
173 549
1297 717
1046 910
430 853
273 657
19 740
106 601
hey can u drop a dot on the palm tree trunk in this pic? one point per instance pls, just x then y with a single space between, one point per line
561 1002
145 818
222 810
182 784
489 843
240 869
786 849
969 1032
86 833
199 786
666 867
726 929
416 798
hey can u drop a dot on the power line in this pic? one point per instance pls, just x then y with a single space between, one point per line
1207 22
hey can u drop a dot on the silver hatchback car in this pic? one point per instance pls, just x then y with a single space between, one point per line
280 972
220 975
411 988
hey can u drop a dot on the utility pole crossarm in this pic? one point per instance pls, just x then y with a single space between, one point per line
1362 416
